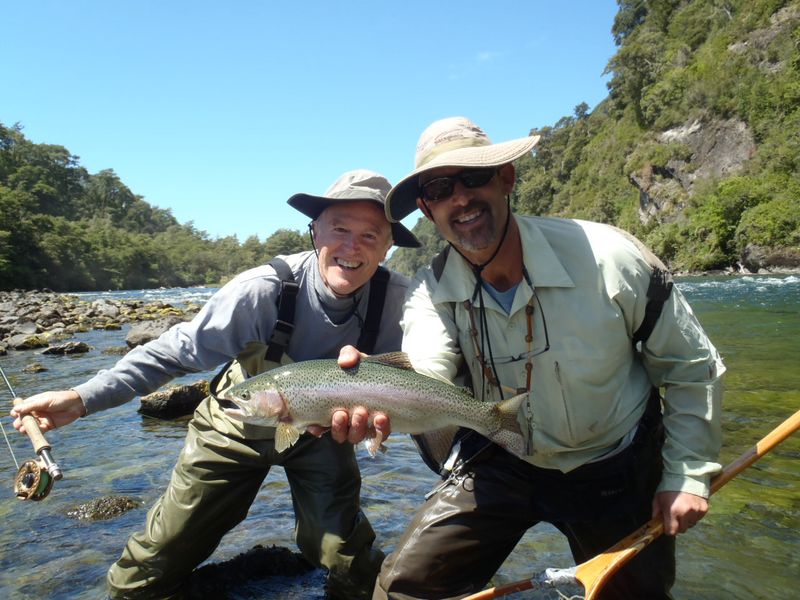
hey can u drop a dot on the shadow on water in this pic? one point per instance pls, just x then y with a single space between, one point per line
747 547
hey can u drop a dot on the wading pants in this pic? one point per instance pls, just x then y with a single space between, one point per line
465 531
216 479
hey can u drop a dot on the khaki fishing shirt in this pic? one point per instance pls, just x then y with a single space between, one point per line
590 388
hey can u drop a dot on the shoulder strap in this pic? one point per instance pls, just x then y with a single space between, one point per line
438 262
282 333
657 293
372 322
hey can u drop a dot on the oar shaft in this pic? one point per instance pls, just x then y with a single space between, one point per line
595 572
767 443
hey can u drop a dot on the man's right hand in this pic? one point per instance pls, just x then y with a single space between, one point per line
50 409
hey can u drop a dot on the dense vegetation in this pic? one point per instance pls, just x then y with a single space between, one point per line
729 69
65 229
696 150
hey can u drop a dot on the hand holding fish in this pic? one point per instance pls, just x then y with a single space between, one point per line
295 396
50 409
353 428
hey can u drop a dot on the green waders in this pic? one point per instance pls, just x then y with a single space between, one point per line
216 479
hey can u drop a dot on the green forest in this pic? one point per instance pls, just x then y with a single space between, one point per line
696 151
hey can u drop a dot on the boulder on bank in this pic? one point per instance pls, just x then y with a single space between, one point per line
143 332
176 401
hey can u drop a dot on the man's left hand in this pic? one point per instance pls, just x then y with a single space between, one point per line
680 510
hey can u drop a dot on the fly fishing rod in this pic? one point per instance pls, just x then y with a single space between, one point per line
34 478
595 572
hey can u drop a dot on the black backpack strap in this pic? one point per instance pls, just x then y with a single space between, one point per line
282 333
438 262
657 293
372 322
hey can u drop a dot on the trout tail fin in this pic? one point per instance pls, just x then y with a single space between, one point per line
509 434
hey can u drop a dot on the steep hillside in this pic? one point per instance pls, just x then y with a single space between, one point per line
696 149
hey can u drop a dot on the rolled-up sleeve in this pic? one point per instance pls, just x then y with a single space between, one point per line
681 360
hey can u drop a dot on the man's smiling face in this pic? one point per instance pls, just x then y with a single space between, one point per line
352 239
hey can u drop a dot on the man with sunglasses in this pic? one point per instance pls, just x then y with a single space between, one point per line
551 307
224 462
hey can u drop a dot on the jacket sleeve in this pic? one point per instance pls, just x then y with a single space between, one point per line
681 360
430 337
242 311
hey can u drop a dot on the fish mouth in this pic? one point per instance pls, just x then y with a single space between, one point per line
227 403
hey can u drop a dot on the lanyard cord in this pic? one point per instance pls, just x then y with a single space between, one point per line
478 292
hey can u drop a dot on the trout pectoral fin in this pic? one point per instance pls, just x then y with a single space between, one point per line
285 436
374 443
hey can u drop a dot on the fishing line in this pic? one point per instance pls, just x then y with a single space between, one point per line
5 436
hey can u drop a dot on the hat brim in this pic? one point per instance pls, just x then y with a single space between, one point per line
401 201
312 207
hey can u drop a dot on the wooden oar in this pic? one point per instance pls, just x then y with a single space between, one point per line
595 572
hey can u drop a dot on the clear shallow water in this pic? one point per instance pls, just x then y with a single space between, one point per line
748 546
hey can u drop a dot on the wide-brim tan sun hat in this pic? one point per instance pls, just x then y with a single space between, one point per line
360 185
451 142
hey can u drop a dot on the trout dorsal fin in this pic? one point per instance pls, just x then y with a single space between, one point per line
399 360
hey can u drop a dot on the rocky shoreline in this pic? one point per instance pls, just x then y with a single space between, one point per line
36 319
39 320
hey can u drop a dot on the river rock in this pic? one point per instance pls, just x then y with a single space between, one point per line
119 350
221 580
103 508
104 308
141 333
24 341
176 401
34 368
68 348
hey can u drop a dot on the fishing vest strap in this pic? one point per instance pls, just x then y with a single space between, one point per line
657 294
438 262
282 333
372 322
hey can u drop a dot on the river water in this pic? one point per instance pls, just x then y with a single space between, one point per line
747 547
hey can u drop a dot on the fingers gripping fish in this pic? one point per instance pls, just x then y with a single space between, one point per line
297 395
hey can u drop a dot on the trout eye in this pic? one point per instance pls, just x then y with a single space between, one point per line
245 395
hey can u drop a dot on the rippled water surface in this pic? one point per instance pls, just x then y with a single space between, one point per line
747 547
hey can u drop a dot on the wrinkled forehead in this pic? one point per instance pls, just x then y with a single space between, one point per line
361 213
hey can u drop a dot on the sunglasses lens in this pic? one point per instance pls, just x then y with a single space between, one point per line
477 177
442 187
436 189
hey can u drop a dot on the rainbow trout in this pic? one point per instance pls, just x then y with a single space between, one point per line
293 396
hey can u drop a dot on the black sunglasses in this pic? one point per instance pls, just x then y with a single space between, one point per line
442 187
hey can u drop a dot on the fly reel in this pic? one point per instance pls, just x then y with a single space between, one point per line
33 481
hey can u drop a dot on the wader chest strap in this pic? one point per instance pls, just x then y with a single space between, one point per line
372 322
657 294
284 326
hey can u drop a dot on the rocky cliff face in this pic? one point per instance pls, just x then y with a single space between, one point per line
717 149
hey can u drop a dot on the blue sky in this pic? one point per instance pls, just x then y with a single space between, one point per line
219 111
